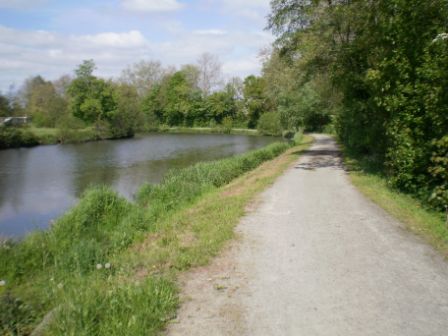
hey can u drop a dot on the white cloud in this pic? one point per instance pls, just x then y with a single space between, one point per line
151 5
21 4
130 39
210 32
27 53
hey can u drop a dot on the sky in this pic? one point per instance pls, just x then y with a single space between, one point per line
50 38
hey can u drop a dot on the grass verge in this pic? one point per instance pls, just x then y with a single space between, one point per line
414 214
108 267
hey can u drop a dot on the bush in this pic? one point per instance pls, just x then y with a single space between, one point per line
269 124
439 173
289 135
11 137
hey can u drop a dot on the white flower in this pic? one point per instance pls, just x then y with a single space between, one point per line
107 265
60 285
99 266
2 283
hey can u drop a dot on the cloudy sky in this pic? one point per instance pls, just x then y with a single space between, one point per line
51 37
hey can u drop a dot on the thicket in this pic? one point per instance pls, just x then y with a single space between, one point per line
70 273
383 66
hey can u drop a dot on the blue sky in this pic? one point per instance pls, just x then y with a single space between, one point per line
50 37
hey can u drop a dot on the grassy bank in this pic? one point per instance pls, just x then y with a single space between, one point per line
34 136
209 130
108 267
15 137
414 214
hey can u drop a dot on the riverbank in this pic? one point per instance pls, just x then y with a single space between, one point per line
35 136
418 217
109 266
209 130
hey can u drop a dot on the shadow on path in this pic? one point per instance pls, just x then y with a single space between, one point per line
321 157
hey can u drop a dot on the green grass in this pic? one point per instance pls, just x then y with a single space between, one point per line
48 136
209 130
178 224
43 131
413 213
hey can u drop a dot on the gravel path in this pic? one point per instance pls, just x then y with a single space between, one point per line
317 258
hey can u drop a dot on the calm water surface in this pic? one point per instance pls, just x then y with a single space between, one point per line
39 184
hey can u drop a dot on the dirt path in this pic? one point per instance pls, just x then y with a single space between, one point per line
317 258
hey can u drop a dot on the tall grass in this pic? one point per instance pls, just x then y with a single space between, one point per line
61 273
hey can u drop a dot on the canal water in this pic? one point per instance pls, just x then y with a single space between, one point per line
39 184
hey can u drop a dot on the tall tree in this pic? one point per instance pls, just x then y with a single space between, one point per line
5 110
92 99
210 76
143 75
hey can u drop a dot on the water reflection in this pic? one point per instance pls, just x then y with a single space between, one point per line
39 184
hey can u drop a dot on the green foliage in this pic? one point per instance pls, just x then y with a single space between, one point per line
387 61
5 110
147 98
183 186
92 99
14 315
43 103
439 173
269 124
11 137
302 102
255 99
127 117
227 124
174 102
107 309
220 105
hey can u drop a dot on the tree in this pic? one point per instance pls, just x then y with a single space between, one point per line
92 99
387 61
192 74
221 105
143 75
61 85
5 110
175 101
210 76
127 117
43 103
255 100
269 124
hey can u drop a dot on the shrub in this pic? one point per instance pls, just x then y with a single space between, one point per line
269 124
11 137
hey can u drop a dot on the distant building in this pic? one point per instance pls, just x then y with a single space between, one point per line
15 121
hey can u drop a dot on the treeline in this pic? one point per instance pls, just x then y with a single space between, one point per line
147 96
378 70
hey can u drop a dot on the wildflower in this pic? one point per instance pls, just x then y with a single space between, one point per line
99 266
60 285
107 266
2 283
